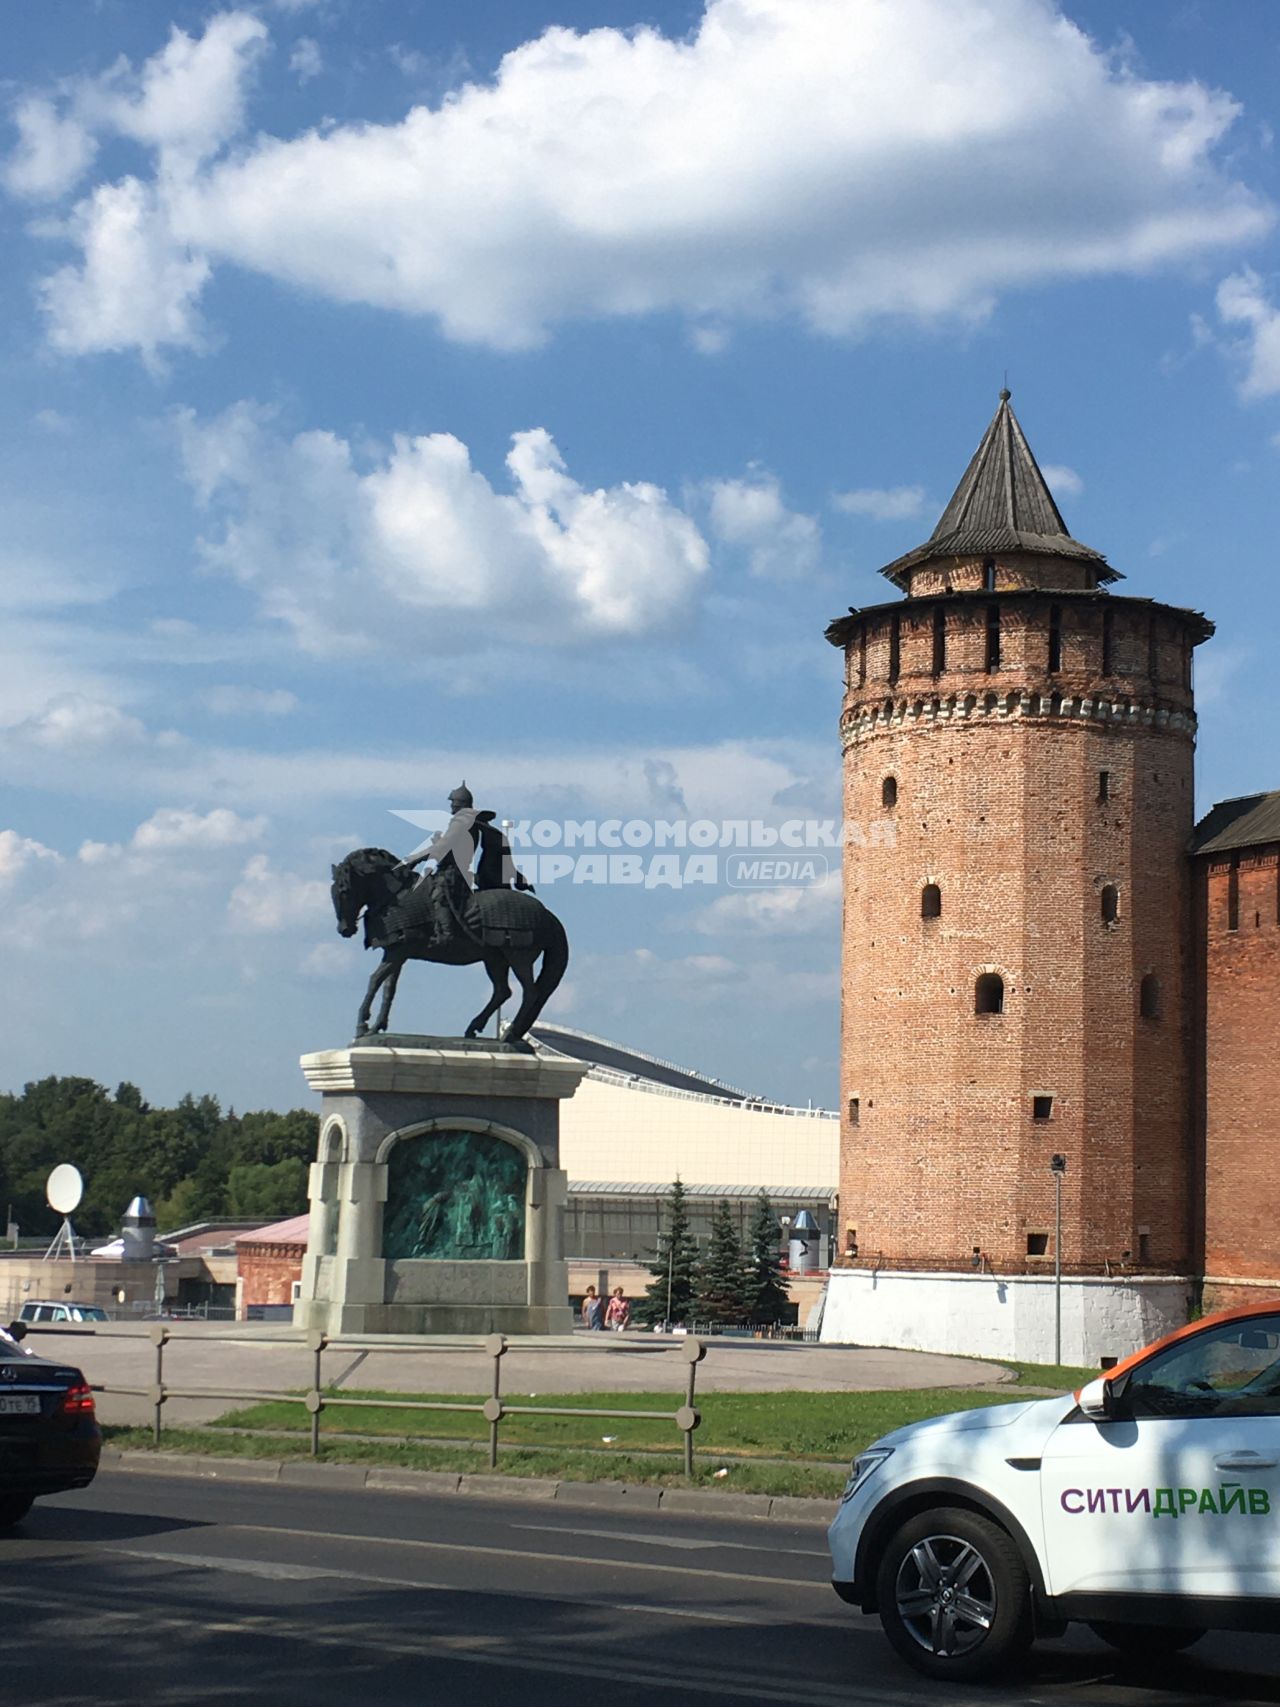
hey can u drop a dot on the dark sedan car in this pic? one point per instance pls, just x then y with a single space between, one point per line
49 1435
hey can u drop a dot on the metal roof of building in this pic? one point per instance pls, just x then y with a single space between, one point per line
1242 823
632 1188
1003 503
581 1046
294 1231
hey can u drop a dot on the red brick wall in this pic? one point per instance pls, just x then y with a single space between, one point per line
269 1271
1242 1066
998 804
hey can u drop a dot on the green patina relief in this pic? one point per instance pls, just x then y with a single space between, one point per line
455 1195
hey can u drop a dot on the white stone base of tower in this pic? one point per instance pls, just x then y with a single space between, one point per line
999 1315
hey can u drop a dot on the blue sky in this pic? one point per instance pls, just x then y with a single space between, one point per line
398 392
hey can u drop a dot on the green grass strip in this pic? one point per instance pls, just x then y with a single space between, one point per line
795 1426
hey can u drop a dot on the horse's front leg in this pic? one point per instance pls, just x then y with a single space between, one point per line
379 978
389 994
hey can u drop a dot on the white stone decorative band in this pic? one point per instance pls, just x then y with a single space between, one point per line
1014 703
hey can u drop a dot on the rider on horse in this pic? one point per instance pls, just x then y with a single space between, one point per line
453 849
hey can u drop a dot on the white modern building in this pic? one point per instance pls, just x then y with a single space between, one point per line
635 1123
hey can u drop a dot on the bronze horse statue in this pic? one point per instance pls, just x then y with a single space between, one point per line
505 929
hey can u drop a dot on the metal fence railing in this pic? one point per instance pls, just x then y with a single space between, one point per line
688 1350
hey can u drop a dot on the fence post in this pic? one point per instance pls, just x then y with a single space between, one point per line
159 1338
316 1342
496 1346
688 1417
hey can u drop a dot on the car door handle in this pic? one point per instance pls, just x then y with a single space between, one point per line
1244 1461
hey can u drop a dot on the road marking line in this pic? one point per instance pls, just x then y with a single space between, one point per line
309 1573
678 1541
664 1569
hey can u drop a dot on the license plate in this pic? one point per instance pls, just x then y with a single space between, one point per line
19 1405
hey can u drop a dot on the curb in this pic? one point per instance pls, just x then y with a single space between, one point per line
614 1496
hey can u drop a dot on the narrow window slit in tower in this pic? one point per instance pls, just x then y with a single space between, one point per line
862 655
1233 894
1153 651
1055 639
1042 1108
855 1111
989 575
939 640
895 647
1104 785
993 637
1108 642
1149 997
1110 899
889 791
931 901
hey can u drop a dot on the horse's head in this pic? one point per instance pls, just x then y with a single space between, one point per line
360 881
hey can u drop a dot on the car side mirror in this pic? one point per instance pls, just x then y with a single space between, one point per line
17 1330
1096 1399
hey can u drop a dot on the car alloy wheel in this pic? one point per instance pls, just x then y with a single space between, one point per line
945 1594
953 1593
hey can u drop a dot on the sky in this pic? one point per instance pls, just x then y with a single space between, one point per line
402 393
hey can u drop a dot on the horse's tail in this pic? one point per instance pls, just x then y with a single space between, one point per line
555 960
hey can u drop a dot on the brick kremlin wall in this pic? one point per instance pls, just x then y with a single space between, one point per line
1240 903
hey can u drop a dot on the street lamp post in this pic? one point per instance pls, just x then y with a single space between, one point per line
1058 1167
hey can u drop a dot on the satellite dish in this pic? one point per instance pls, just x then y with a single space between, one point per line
64 1188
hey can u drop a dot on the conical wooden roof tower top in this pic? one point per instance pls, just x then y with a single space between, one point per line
1002 504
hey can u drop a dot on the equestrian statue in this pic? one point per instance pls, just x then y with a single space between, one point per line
453 916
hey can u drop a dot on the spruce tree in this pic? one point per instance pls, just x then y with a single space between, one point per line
721 1295
767 1295
669 1295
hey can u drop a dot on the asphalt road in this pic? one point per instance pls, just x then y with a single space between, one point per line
167 1590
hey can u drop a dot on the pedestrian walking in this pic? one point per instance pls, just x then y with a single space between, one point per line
592 1309
618 1314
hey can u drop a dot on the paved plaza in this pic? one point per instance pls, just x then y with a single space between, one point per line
251 1358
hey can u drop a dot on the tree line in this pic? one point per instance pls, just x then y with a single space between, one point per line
193 1161
736 1282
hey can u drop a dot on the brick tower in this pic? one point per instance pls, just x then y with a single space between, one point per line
1017 973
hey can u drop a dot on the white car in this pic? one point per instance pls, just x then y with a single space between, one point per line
1147 1505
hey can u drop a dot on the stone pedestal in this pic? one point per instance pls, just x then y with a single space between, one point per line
437 1196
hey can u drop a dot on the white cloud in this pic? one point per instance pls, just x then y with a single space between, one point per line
269 900
780 544
422 551
881 503
18 852
76 722
834 162
1243 301
234 701
306 61
800 911
329 960
54 151
172 827
1062 480
137 287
